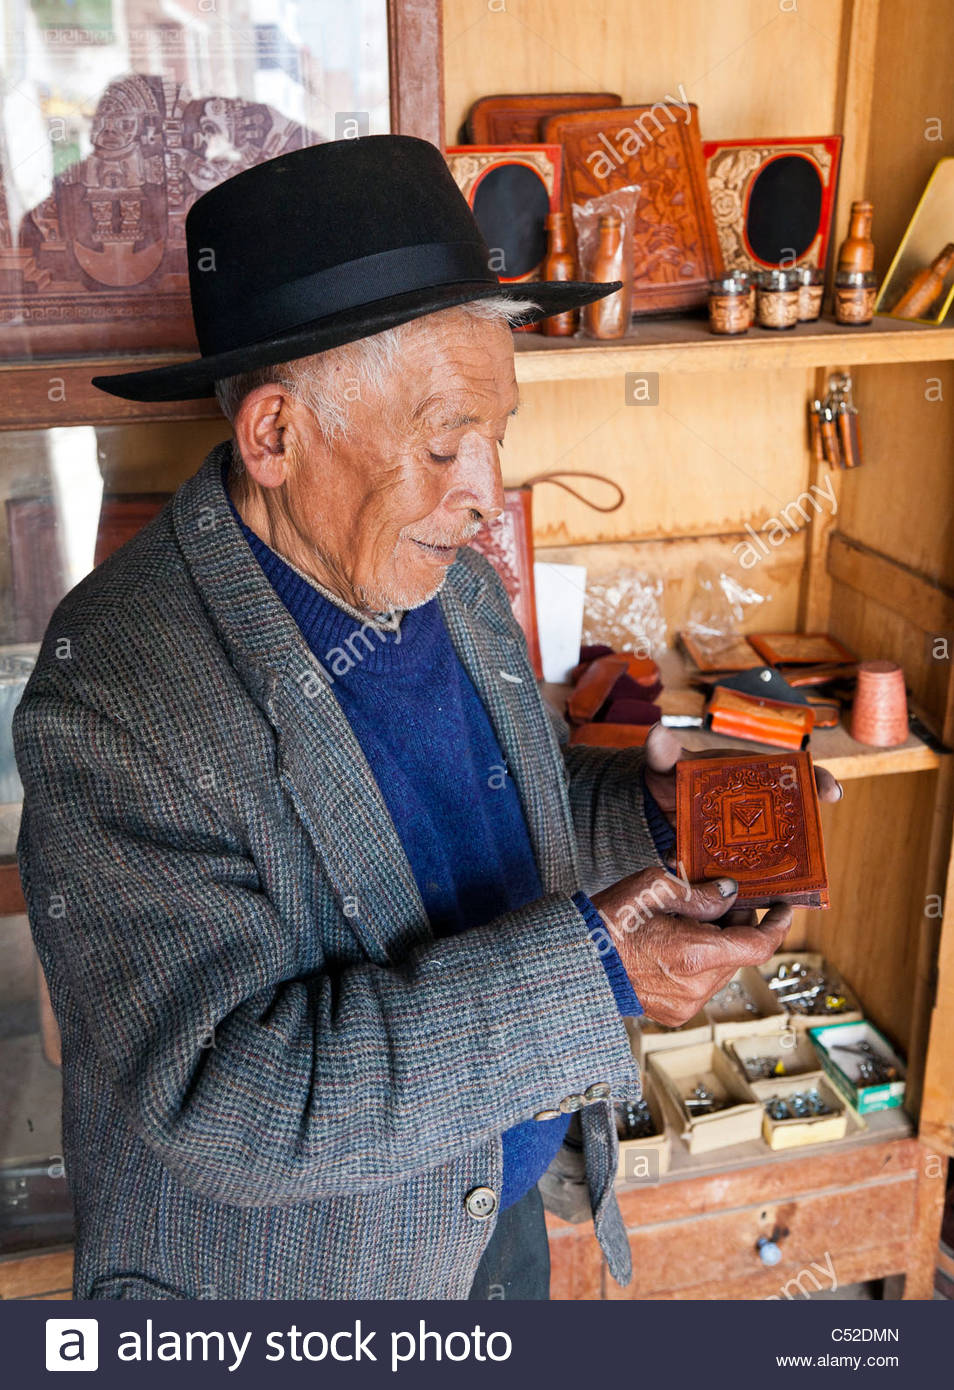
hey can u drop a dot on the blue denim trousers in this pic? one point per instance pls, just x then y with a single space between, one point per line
516 1263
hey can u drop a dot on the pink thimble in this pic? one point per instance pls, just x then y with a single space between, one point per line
879 716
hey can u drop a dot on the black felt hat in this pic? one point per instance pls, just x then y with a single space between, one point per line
323 246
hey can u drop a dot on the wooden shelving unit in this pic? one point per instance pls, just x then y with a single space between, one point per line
722 450
686 345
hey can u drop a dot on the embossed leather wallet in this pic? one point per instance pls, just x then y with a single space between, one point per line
754 819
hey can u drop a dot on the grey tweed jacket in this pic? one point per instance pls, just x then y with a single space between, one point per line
277 1083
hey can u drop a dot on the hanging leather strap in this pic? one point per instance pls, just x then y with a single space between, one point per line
557 477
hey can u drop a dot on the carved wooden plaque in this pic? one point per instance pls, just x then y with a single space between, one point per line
516 119
675 246
100 263
754 819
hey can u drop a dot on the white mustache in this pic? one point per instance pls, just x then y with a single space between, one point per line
461 540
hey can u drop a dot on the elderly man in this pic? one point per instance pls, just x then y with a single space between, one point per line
307 864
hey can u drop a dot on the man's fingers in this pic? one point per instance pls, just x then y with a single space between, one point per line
662 748
707 901
828 788
756 944
740 917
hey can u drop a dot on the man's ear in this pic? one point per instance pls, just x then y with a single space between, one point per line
264 432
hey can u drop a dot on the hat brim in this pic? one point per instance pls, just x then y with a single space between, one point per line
193 380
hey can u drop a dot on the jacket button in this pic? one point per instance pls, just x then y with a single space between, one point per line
481 1203
547 1115
600 1090
573 1102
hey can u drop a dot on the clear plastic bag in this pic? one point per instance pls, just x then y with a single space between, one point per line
623 609
720 604
608 317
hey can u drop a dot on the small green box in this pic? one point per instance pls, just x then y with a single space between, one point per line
865 1099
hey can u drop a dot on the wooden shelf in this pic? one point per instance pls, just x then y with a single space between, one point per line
672 345
686 345
833 749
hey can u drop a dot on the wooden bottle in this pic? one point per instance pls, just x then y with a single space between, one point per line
857 250
609 317
559 265
925 287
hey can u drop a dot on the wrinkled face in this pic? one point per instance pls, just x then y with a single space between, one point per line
418 474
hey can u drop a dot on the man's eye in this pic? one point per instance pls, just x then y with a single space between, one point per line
443 458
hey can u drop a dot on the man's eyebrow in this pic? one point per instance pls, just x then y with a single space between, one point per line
455 421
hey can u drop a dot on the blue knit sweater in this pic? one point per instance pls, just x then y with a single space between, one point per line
430 745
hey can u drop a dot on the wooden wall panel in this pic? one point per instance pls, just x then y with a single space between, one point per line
875 630
912 108
901 501
876 841
704 461
676 562
753 67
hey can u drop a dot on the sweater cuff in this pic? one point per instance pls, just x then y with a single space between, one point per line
664 837
623 992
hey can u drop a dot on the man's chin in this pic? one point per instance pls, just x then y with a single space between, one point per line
405 596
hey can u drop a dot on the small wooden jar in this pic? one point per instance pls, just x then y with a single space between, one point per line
729 308
811 292
777 301
855 294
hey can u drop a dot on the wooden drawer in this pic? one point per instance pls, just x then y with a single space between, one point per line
49 1275
827 1239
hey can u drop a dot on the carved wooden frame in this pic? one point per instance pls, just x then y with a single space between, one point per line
416 80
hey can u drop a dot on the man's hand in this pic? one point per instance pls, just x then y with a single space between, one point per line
675 955
663 751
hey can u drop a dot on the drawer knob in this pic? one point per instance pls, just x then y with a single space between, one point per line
769 1252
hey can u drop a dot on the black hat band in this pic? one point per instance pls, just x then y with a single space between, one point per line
342 287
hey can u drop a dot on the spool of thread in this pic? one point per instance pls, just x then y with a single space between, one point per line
879 716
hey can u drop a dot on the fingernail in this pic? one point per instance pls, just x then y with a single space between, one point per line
841 791
726 887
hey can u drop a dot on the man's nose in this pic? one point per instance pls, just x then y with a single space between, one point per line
478 485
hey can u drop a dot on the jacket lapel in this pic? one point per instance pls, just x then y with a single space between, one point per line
321 764
493 652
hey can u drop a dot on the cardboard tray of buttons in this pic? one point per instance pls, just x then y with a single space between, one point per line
645 1146
804 1109
645 1036
744 1005
863 1065
711 1104
810 990
771 1056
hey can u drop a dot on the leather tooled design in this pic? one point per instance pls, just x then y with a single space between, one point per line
749 822
754 818
675 245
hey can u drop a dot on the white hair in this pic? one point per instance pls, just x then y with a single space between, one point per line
326 381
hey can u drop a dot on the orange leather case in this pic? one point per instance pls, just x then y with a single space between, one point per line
593 688
722 654
799 648
754 819
765 721
596 682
